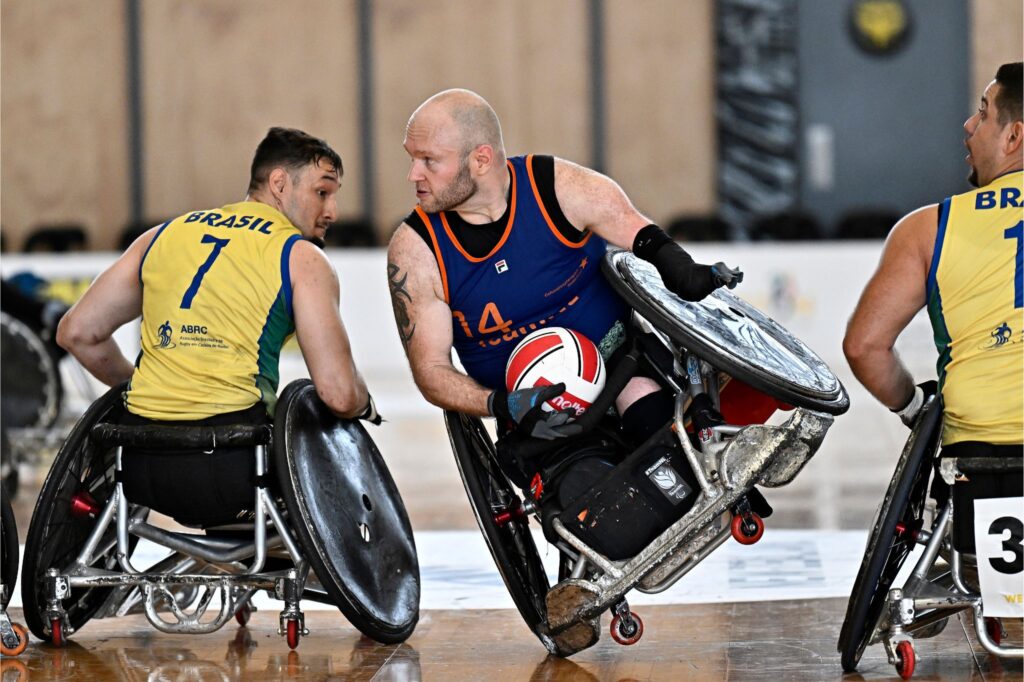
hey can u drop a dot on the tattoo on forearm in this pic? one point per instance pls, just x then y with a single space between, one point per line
400 298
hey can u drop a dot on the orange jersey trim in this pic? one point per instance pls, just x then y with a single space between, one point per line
544 211
437 250
504 237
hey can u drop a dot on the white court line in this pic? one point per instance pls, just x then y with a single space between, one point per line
457 571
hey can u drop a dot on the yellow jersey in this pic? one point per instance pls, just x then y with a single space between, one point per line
976 305
216 310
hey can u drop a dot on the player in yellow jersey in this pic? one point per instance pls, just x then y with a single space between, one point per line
219 292
963 259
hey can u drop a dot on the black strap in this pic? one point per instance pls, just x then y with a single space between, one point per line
184 437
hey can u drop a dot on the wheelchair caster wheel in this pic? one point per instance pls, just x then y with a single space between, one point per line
242 615
747 528
57 632
995 630
624 633
293 634
905 659
22 634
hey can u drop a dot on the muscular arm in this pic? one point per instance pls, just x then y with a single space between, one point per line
424 323
113 299
592 201
321 333
890 300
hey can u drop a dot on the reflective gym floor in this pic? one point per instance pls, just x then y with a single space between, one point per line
770 611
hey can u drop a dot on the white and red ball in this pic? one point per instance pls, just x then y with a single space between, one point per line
555 355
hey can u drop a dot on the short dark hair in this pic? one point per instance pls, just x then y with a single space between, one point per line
292 149
1009 100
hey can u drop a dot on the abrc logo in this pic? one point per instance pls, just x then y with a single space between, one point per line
164 331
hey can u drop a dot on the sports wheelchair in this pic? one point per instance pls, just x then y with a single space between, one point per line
944 581
701 352
331 528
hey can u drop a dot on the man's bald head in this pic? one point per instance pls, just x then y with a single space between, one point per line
472 120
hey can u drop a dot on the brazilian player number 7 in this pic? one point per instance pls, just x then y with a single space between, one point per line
193 289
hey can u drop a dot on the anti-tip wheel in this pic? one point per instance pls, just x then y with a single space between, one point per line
242 615
747 528
994 629
624 635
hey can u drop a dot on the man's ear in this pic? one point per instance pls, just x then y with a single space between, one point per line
482 158
277 181
1013 140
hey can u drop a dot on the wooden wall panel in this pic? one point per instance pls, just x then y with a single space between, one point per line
64 147
660 100
527 58
995 40
217 74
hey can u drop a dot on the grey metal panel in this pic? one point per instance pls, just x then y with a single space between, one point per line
895 121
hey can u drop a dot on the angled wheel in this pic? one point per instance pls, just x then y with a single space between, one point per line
347 515
491 495
80 479
888 546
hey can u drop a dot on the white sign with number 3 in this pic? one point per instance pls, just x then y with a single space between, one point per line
999 536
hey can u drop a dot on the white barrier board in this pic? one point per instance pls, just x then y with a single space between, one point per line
999 538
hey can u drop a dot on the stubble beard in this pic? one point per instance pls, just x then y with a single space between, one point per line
458 191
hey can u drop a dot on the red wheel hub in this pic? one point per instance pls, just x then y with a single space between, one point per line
82 505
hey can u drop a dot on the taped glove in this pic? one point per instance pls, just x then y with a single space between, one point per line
525 409
908 413
370 414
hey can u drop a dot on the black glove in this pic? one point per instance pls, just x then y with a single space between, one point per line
688 280
726 276
370 414
908 413
525 408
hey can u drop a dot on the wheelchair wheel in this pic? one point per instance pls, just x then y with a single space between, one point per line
58 532
347 516
490 494
31 382
8 550
890 543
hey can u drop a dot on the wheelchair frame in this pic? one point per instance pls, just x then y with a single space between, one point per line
923 602
932 593
236 583
66 550
732 460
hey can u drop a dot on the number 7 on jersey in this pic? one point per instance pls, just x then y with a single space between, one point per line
193 289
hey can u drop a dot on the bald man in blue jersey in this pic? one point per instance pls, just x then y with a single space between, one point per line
495 245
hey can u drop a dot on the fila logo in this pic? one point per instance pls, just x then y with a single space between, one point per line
501 266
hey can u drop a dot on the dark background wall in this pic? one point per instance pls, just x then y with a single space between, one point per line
882 131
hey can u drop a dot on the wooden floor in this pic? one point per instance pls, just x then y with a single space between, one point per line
770 641
792 641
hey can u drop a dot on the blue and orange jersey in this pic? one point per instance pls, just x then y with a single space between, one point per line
533 277
976 305
216 310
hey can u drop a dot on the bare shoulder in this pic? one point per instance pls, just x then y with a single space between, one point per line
914 234
408 247
570 175
309 263
412 266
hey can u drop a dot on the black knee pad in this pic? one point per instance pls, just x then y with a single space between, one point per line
646 416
